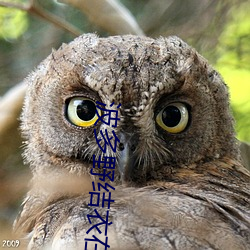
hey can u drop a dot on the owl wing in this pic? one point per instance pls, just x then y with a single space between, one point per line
146 218
199 207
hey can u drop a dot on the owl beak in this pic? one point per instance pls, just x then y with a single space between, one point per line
126 158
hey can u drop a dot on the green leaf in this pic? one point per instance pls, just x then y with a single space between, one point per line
233 60
13 23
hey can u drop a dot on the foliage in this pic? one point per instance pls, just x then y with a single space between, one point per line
13 23
233 57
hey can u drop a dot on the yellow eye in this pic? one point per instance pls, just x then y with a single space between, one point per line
173 118
81 112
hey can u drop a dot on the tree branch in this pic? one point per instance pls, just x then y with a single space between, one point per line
110 15
14 5
36 10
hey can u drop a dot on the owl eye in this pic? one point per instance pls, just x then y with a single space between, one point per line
81 111
173 118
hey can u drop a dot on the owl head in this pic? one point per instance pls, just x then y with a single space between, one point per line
172 108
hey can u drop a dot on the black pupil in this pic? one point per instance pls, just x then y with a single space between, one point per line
171 116
86 110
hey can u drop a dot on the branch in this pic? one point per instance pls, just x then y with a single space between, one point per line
36 10
10 108
14 5
110 15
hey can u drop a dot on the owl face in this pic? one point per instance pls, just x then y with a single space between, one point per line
173 107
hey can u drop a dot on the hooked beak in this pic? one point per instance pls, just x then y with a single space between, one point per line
126 158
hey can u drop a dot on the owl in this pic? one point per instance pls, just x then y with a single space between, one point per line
131 145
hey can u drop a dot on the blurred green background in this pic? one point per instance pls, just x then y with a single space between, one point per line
219 30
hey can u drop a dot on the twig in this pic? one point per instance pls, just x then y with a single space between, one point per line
36 10
14 5
110 15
